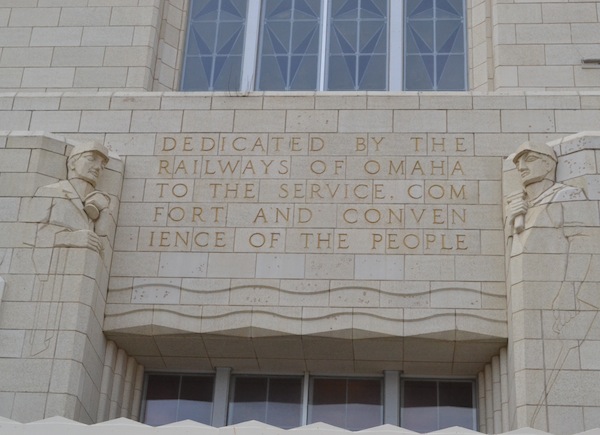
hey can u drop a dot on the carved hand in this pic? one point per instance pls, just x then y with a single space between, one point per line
516 210
79 239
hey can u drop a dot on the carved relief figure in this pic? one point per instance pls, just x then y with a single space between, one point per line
554 246
74 209
536 164
70 214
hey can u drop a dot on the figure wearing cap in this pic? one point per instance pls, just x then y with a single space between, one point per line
71 208
536 164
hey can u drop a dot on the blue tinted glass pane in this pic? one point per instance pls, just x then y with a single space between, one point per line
358 32
304 77
449 36
344 9
215 33
419 37
449 9
452 77
194 75
289 44
373 37
434 41
374 76
227 73
419 9
419 72
341 71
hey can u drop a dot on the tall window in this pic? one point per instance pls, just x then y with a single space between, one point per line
353 404
172 398
309 45
287 402
429 405
273 400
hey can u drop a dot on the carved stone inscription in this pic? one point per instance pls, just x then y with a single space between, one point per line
396 194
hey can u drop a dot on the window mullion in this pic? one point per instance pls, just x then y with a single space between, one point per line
396 46
305 387
323 51
250 46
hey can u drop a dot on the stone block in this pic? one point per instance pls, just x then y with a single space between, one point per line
334 266
100 77
85 16
15 37
109 36
135 264
455 295
434 267
25 56
117 121
365 120
546 76
189 265
34 17
55 121
56 36
133 16
517 13
585 33
355 294
156 291
288 266
78 57
523 54
29 407
527 121
48 77
480 121
543 33
159 121
379 267
128 56
309 293
208 120
221 265
413 121
313 121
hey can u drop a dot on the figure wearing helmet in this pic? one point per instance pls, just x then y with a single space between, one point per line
69 210
536 164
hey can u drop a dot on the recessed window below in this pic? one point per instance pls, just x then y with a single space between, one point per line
273 400
171 398
429 405
352 404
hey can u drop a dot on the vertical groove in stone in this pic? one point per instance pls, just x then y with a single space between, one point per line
137 393
489 403
504 388
117 388
110 358
128 387
496 394
481 404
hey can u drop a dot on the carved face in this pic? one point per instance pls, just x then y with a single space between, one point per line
87 166
534 167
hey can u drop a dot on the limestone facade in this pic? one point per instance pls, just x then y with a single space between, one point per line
335 233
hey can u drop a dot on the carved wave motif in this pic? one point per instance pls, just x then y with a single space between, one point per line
316 292
303 321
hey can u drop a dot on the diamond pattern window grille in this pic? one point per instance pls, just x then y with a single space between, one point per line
434 45
309 45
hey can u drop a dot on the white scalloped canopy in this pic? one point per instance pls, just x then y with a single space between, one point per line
124 426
